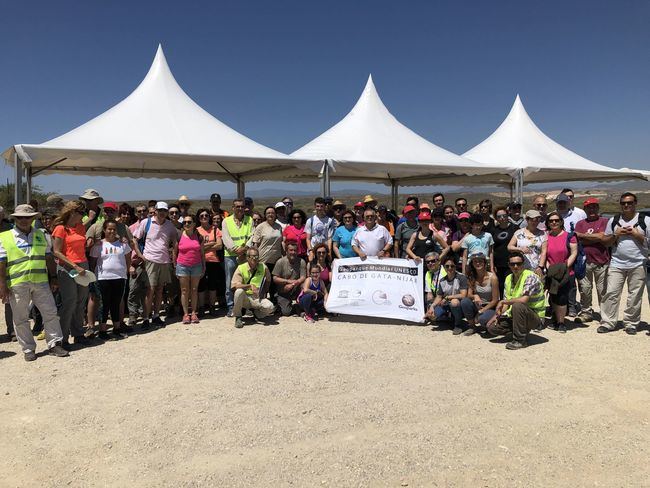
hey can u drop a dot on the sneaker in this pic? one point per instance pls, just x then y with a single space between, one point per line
186 319
82 340
145 325
127 329
195 318
58 351
630 329
41 336
119 333
66 345
516 345
561 328
552 326
132 321
469 331
229 314
30 356
239 322
103 335
157 321
457 331
583 318
15 339
309 319
604 330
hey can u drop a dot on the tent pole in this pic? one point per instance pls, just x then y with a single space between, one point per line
28 179
18 187
241 188
394 194
325 180
520 186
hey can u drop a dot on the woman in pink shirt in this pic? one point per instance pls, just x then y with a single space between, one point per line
295 232
212 244
189 259
558 253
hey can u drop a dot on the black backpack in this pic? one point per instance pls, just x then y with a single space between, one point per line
640 221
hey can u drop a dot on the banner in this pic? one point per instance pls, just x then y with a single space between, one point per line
388 287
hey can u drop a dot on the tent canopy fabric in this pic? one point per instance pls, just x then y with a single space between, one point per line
520 143
370 144
158 131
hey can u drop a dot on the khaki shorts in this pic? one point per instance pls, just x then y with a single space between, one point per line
158 274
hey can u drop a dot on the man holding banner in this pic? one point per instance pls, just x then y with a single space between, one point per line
371 239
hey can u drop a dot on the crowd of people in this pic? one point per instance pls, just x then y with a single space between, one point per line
490 269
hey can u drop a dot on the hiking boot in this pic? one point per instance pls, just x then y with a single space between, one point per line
457 331
514 345
561 328
145 325
157 321
603 330
630 329
82 340
103 335
58 351
469 331
239 323
583 318
30 356
119 333
552 326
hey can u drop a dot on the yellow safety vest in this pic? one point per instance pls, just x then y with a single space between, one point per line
256 279
239 235
23 267
535 302
429 277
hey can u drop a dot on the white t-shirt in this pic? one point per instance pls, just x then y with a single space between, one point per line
627 253
371 242
319 229
111 260
573 217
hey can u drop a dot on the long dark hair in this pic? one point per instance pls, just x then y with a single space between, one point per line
472 274
351 214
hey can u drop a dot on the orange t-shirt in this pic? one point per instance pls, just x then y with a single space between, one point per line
74 242
210 236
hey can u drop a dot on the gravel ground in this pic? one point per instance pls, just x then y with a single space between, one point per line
337 403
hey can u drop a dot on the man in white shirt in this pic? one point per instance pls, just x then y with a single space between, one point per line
319 228
372 239
571 216
628 234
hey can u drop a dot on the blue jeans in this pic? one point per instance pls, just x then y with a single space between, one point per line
230 263
311 306
442 311
470 311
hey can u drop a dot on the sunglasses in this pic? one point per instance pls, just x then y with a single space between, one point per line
628 203
188 222
252 257
238 206
485 206
288 202
541 205
22 218
553 221
514 265
204 216
322 253
431 261
461 205
502 216
450 266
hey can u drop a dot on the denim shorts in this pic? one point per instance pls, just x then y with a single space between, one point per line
195 271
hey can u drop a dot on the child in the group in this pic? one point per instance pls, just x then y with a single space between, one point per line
477 241
314 294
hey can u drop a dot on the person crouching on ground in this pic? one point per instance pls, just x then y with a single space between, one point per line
250 283
482 293
313 297
522 309
452 288
25 264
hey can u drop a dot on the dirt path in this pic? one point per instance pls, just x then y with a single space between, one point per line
334 404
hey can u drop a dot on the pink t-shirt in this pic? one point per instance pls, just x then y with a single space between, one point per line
557 250
292 233
189 250
159 238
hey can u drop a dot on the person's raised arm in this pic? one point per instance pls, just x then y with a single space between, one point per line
409 248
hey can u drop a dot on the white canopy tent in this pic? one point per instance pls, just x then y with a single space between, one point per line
158 131
370 144
520 143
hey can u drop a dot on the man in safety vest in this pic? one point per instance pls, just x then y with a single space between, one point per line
236 231
25 264
434 273
523 307
250 282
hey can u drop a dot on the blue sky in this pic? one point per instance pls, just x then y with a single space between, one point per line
283 72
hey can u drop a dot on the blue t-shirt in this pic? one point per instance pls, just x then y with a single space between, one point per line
343 237
480 243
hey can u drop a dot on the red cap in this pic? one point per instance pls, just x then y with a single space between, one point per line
359 204
111 205
407 209
590 201
464 215
424 216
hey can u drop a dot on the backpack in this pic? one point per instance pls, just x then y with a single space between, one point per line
143 239
640 222
580 264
